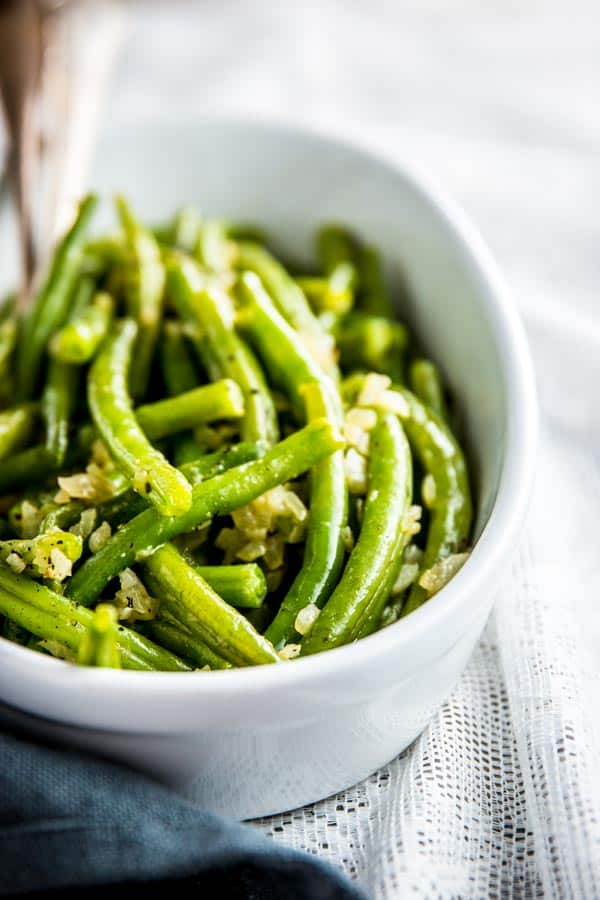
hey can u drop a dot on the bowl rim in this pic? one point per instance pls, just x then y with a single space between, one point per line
498 533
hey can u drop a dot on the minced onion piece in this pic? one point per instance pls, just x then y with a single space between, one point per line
16 562
306 618
355 466
99 537
428 491
132 600
438 576
290 651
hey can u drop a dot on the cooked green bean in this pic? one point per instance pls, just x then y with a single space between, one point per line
99 645
291 367
31 466
336 252
213 249
220 400
57 403
451 510
217 496
426 383
51 616
208 309
80 338
192 338
372 343
179 372
169 633
185 230
382 533
51 305
243 586
8 341
289 301
374 293
145 283
111 409
128 504
16 427
195 604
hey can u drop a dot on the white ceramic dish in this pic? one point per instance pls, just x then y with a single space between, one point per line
254 741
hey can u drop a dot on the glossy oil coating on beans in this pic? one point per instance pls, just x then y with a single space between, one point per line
191 600
209 312
426 384
53 617
291 367
220 400
388 498
451 513
145 282
207 450
78 340
216 496
111 409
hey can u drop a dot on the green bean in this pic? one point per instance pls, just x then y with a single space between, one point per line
336 251
213 249
245 231
62 515
145 282
209 310
8 341
374 293
283 290
185 229
290 366
99 646
37 553
426 383
179 372
196 605
169 633
126 505
31 466
13 632
382 534
80 338
51 304
110 406
371 342
451 510
51 616
57 404
209 403
187 449
217 496
16 427
289 301
243 586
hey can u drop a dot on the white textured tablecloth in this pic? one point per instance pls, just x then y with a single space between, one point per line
500 797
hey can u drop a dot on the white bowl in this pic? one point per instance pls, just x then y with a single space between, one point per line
255 741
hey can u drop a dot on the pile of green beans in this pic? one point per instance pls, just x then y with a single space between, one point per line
209 460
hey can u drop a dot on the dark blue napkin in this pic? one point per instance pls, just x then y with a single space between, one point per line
69 821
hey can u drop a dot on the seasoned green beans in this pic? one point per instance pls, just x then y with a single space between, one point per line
207 457
110 405
208 310
191 600
51 305
380 542
216 496
291 367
